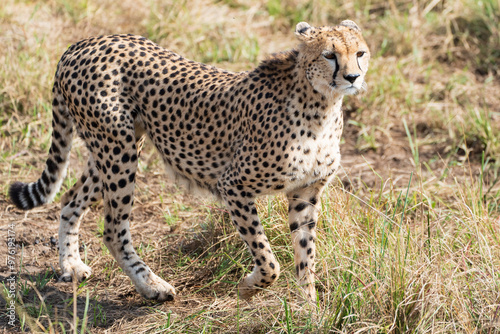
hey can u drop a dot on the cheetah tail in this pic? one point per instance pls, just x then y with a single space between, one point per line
26 196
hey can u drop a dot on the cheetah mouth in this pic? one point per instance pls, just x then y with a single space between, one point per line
351 90
346 90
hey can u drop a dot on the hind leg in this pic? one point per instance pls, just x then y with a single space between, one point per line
74 203
118 175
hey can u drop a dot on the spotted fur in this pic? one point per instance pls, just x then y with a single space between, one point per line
274 129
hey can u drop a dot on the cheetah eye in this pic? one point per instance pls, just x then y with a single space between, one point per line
360 54
329 55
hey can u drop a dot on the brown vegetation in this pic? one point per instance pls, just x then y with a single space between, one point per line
409 235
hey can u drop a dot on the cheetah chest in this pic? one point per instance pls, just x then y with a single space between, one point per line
307 154
311 160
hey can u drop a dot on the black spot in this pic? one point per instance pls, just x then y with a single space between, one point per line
303 243
131 177
311 224
51 166
300 207
126 199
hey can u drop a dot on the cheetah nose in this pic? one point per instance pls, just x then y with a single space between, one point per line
351 77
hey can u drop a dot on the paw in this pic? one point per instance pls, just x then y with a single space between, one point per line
247 289
308 294
78 269
155 288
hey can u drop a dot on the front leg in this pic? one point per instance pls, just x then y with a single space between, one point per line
239 201
303 215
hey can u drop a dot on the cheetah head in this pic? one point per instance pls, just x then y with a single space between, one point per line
335 59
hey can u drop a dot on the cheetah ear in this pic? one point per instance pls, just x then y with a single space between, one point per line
303 31
350 24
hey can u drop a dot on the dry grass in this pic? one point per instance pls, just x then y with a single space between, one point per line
409 234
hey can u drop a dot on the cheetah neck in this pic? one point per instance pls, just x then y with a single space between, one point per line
316 109
285 79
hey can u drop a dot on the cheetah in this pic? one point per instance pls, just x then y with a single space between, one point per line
273 129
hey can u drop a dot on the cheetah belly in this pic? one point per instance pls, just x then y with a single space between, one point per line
197 168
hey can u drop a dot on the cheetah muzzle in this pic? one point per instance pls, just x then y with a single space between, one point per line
274 129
